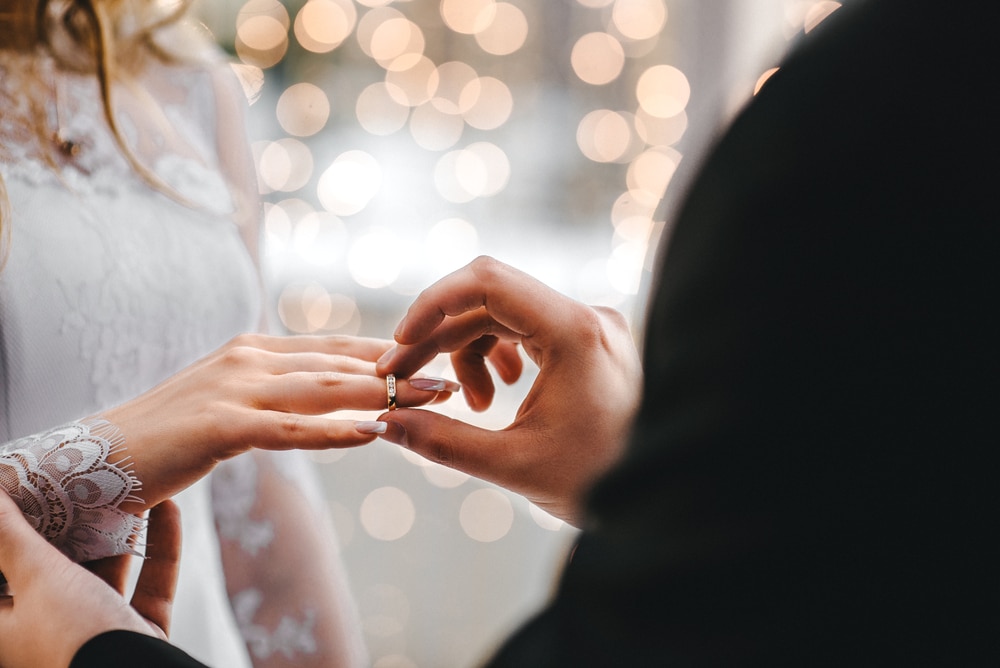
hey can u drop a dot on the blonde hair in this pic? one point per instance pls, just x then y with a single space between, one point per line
88 36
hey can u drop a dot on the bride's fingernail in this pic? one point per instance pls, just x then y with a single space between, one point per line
431 384
370 427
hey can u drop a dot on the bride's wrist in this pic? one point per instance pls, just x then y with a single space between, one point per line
76 485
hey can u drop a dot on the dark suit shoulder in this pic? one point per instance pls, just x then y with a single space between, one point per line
127 648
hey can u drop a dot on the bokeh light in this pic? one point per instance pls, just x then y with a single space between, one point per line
663 91
639 19
349 184
763 79
379 111
433 129
632 215
597 58
451 244
444 477
604 135
818 13
303 109
319 237
387 513
446 85
506 32
394 38
308 308
657 131
486 515
487 103
375 258
262 32
323 25
468 16
284 165
410 79
651 172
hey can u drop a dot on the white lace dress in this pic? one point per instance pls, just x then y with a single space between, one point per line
108 288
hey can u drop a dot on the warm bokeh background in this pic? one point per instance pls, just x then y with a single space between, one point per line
397 140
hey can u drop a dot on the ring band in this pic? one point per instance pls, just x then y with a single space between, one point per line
390 391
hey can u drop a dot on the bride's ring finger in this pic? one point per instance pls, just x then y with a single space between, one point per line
326 392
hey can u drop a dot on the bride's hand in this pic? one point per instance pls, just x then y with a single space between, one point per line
256 392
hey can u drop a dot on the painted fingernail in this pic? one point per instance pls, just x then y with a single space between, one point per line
431 384
370 427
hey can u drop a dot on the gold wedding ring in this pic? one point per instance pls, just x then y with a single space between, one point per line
390 391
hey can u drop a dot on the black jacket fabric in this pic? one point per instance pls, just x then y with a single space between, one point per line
126 649
813 476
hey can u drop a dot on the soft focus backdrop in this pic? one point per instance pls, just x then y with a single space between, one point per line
397 140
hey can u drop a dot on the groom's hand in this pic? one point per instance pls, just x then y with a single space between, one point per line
571 426
54 606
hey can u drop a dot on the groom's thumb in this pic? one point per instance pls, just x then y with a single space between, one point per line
21 547
447 441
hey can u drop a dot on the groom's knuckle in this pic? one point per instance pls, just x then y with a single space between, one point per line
441 452
486 268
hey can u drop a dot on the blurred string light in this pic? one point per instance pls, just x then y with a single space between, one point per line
444 73
448 94
804 15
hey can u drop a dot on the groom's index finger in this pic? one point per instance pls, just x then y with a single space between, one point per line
157 583
513 299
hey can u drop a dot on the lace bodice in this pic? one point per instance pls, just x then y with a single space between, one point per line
168 130
110 286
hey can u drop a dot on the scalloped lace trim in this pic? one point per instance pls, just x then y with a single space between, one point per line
69 489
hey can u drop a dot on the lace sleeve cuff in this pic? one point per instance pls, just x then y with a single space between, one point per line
68 487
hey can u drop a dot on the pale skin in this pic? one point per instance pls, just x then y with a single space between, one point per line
572 425
267 392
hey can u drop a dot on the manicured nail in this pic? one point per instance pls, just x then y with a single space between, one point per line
370 427
399 327
431 384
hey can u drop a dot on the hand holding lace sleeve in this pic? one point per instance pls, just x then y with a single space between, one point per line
70 483
285 580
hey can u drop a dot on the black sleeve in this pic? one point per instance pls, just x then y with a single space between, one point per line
127 648
812 478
